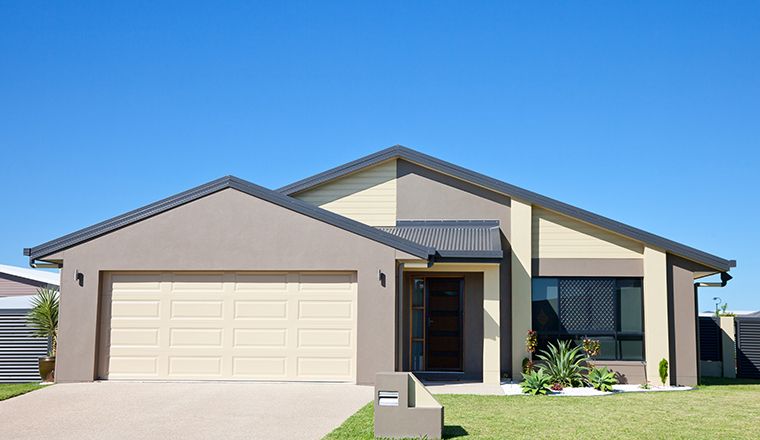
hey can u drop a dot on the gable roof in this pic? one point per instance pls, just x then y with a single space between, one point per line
249 188
401 152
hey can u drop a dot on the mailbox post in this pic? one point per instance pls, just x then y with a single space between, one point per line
405 408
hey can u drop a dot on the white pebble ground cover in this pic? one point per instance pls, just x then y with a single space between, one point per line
513 389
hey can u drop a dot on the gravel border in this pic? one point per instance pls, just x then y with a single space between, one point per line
513 389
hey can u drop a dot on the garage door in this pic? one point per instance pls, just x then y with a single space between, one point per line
248 326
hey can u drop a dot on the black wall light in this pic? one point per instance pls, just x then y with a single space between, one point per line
79 278
381 277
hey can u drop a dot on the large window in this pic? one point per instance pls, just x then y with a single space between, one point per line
607 309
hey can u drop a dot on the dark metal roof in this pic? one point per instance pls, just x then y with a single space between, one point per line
249 188
400 152
453 238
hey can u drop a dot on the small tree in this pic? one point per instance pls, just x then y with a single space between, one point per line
663 371
43 317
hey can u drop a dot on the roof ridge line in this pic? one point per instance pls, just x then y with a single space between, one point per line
496 185
229 181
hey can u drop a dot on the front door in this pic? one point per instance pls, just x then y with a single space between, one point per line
437 323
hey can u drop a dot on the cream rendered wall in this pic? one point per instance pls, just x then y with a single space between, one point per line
558 236
656 343
368 196
521 261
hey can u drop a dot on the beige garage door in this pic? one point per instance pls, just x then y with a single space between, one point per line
265 326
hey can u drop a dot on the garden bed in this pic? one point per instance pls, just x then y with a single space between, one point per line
514 389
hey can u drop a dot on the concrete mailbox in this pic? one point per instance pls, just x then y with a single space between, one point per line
405 408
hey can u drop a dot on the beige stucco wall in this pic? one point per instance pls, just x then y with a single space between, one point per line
233 231
367 196
728 344
521 262
656 331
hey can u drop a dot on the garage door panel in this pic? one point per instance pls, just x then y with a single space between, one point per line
133 366
261 309
135 309
322 282
272 325
260 338
185 309
320 309
195 337
198 283
134 337
195 366
318 338
135 282
264 282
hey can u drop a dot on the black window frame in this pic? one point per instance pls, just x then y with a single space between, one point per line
617 335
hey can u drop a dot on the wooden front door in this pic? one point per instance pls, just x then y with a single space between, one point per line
437 330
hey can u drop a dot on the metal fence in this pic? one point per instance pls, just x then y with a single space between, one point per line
709 339
20 350
748 347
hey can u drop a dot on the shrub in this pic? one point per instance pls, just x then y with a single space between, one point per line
663 371
601 379
536 383
563 364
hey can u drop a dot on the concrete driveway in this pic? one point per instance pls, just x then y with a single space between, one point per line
200 410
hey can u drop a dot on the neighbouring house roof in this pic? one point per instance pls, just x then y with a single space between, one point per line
453 238
40 276
742 313
400 152
16 302
97 230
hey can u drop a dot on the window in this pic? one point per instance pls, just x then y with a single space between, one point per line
607 309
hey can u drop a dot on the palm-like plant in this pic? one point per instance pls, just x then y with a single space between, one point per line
564 364
43 317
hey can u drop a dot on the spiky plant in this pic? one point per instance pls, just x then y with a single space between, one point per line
563 363
536 382
43 317
602 379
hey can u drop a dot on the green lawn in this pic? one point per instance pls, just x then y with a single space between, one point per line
8 390
715 411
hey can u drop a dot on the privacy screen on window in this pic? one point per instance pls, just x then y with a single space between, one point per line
607 309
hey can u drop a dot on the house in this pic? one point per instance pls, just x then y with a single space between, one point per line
20 349
395 261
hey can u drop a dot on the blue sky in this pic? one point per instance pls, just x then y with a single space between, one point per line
646 112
